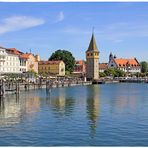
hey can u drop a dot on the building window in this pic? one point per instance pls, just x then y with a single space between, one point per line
88 54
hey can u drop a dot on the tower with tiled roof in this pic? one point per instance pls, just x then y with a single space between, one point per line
92 60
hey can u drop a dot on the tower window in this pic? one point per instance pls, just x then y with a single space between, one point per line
91 54
88 54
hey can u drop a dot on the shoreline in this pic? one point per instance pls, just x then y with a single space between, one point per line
31 86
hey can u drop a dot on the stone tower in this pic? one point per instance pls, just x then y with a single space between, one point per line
92 60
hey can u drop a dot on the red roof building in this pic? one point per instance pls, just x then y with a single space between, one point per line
80 68
127 65
103 67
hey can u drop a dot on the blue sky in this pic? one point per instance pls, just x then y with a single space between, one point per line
121 28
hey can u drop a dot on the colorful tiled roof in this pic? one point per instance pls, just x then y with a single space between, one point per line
80 62
49 62
103 66
13 51
17 52
126 62
25 55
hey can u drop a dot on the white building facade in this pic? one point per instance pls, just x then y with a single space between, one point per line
127 65
10 61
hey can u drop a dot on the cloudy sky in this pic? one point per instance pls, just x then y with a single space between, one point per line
121 28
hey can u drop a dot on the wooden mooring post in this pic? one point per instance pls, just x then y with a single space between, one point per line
49 85
17 88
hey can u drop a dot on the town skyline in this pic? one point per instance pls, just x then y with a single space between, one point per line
120 28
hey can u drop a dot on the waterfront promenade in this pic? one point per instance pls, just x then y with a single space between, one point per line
17 87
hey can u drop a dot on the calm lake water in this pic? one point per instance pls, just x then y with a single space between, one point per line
97 115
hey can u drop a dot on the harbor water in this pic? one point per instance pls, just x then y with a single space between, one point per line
95 115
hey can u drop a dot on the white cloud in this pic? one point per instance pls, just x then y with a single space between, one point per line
60 17
15 23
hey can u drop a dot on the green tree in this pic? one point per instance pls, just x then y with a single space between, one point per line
102 74
114 72
137 74
144 66
119 73
109 72
66 57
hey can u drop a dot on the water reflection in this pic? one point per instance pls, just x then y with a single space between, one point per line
123 97
61 105
32 104
13 107
93 107
1 105
10 110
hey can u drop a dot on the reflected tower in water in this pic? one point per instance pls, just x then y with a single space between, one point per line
93 107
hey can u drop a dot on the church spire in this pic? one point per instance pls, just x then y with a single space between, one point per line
92 60
92 44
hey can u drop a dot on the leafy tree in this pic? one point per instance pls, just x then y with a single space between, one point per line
66 57
114 72
137 74
109 72
119 73
67 72
144 66
102 74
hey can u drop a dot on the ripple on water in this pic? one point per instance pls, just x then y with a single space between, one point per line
98 115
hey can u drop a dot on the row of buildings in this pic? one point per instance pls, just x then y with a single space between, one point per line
91 67
15 61
127 65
